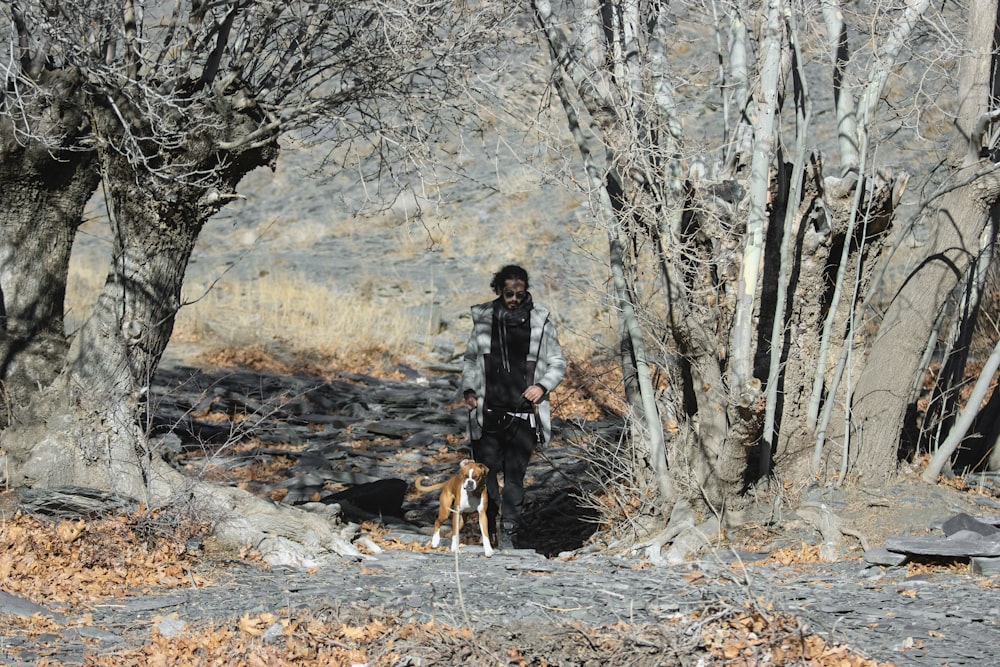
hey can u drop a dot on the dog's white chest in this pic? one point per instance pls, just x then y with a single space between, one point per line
465 501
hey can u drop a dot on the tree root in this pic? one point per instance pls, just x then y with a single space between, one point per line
299 537
686 538
294 536
828 524
831 529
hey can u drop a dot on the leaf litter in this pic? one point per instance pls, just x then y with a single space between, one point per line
77 564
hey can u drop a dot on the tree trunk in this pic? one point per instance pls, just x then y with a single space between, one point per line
86 428
42 200
112 358
886 391
882 403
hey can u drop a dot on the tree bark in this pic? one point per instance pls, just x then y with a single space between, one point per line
886 389
42 200
87 428
885 392
115 353
742 340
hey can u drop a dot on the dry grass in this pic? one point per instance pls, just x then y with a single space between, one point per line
285 314
298 315
288 309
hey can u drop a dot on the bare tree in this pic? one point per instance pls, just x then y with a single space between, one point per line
963 232
170 105
758 276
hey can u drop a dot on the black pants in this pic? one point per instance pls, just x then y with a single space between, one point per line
505 448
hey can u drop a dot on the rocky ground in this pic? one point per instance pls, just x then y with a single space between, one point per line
760 595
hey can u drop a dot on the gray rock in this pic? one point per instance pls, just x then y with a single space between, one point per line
273 633
989 519
99 634
171 626
18 606
138 605
420 440
399 428
964 522
953 547
740 556
966 535
986 566
883 556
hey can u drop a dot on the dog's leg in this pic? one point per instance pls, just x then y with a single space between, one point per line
436 540
487 546
444 509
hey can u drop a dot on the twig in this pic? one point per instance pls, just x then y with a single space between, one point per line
461 599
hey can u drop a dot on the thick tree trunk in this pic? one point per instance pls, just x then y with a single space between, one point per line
113 356
886 390
87 428
707 465
883 400
41 206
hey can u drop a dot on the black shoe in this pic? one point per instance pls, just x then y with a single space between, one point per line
505 540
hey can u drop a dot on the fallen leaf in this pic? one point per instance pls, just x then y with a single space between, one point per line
693 575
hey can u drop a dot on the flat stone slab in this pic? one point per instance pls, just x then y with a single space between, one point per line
989 567
401 428
883 556
18 606
964 544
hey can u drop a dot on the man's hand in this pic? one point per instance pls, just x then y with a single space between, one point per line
471 401
534 393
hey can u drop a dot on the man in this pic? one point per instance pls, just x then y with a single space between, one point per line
512 362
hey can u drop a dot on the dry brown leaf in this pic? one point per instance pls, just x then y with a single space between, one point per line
693 575
69 531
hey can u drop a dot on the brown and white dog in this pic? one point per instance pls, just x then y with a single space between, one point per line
464 492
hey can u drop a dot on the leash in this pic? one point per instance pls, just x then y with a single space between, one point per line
508 421
541 453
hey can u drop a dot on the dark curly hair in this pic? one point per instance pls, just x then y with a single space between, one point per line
509 272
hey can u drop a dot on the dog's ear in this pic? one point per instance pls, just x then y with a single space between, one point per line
464 463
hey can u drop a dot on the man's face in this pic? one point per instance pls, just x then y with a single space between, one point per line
514 293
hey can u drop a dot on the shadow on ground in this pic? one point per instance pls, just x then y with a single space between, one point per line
298 437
